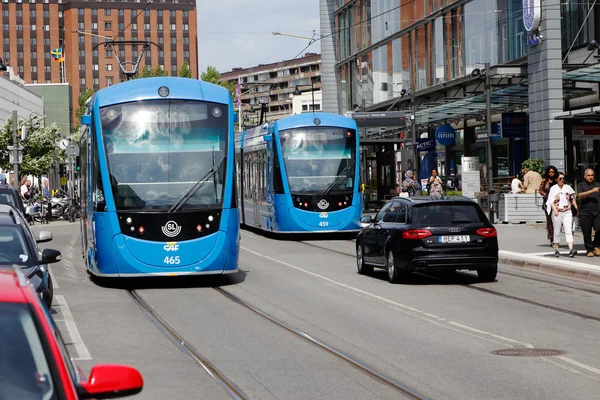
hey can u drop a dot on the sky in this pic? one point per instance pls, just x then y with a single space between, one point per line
238 33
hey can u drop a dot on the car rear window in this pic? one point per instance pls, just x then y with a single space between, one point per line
436 214
7 198
13 248
24 371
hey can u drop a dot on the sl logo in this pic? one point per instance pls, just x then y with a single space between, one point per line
171 229
323 204
171 246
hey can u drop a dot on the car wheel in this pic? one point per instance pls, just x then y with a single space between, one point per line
488 274
394 275
362 268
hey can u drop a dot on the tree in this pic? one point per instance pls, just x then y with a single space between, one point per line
37 149
212 76
185 71
83 97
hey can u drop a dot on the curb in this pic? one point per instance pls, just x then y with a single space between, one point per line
568 269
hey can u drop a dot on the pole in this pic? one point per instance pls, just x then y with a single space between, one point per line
312 90
413 106
15 150
488 125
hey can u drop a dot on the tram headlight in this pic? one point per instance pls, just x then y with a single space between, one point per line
129 220
141 230
210 218
199 228
132 228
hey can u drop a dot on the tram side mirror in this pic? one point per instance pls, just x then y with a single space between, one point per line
86 120
267 137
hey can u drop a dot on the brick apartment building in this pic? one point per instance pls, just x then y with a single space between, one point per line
31 29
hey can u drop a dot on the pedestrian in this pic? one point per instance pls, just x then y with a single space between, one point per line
435 185
547 183
2 177
410 185
25 186
589 213
516 186
531 180
560 200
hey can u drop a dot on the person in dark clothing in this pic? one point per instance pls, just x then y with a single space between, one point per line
547 183
589 213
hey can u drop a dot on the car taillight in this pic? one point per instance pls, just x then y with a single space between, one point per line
487 232
416 234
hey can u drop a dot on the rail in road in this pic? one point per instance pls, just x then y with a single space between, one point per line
235 392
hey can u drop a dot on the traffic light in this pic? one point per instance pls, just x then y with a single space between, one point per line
77 163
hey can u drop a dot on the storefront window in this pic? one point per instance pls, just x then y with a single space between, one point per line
573 15
481 34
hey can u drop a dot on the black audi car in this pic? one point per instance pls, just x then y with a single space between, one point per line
428 234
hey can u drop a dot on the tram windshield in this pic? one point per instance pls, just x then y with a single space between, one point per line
160 152
319 159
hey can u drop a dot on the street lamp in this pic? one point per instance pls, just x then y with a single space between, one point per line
297 92
2 66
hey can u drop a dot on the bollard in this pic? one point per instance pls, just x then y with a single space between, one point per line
493 201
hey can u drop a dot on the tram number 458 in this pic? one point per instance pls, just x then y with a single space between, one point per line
324 223
173 260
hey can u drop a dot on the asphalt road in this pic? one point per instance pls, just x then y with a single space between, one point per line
434 334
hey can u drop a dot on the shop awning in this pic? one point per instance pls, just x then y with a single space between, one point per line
589 73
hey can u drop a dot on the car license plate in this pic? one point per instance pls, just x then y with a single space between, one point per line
455 239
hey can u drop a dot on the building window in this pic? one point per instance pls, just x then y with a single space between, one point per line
80 11
121 13
34 54
81 53
173 27
19 13
186 27
5 13
107 26
6 56
172 13
80 25
96 81
107 11
95 53
185 14
160 27
47 56
121 26
161 40
20 54
34 68
109 67
82 81
186 40
161 54
108 53
95 67
60 14
47 42
32 13
94 11
174 67
81 39
46 14
33 41
19 27
109 81
46 68
81 67
173 54
146 13
94 26
33 28
146 27
6 41
134 26
122 53
187 54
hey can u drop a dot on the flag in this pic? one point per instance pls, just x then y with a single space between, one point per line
58 54
238 94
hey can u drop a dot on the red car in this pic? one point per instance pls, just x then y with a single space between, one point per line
34 363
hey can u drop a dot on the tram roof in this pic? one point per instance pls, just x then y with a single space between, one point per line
308 119
147 89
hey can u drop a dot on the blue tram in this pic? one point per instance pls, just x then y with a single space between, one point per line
300 174
157 187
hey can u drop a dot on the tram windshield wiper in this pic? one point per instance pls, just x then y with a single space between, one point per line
337 180
197 186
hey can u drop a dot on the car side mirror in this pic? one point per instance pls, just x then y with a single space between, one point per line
108 381
367 219
50 256
44 236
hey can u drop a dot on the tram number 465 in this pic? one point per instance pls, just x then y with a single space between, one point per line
173 260
324 223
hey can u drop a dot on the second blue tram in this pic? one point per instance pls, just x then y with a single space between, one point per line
300 174
158 196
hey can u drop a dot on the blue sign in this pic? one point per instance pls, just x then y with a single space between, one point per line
514 125
445 135
425 144
532 11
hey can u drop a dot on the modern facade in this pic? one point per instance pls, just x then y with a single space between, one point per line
427 58
271 86
15 97
55 96
31 29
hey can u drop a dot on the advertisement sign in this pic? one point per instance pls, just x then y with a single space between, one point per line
532 12
425 144
445 135
583 132
514 125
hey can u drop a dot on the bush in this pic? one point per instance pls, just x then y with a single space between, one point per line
453 193
534 164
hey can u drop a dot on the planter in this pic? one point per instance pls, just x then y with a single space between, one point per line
521 208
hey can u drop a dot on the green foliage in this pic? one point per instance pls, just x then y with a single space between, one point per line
185 71
83 97
37 152
212 76
144 73
534 164
453 193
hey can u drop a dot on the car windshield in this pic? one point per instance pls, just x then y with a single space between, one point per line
13 247
435 214
158 150
319 159
24 371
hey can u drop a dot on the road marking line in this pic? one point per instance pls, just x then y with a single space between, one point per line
76 339
443 322
54 281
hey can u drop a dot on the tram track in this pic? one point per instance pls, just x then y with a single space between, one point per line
231 389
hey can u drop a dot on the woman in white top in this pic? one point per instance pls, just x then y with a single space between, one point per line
560 200
516 186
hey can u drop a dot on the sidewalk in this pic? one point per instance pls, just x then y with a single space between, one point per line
526 246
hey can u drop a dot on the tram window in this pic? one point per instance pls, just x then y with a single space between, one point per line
98 190
277 179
